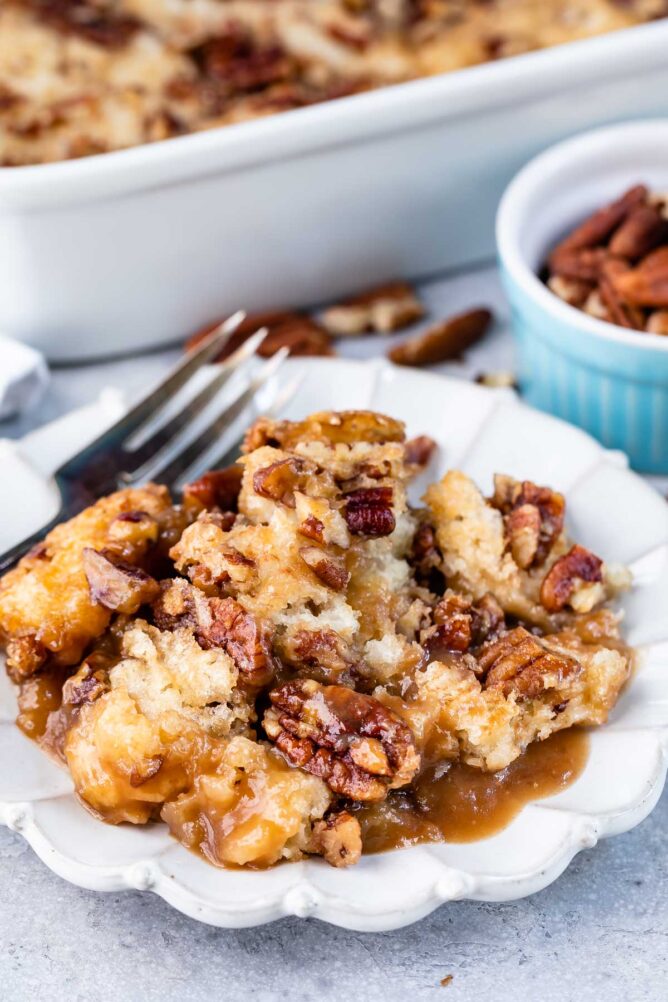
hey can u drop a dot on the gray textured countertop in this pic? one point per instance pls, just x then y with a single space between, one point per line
599 932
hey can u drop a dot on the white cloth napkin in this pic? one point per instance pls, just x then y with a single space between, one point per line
24 376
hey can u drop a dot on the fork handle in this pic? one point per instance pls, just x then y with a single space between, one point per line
13 555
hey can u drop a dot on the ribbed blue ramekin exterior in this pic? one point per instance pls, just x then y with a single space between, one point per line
613 390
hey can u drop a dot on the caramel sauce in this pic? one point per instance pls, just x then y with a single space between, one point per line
462 804
39 696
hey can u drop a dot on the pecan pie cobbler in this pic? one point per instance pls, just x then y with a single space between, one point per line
278 664
86 76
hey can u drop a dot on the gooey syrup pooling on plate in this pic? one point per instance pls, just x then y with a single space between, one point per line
447 803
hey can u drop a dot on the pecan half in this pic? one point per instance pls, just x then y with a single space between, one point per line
444 341
216 489
351 741
646 284
620 313
382 310
579 265
368 511
330 569
279 481
642 230
533 518
116 584
598 227
570 574
518 664
338 838
571 290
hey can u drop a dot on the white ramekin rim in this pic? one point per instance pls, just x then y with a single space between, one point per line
542 173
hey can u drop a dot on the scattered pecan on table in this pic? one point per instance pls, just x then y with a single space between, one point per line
381 310
614 265
445 341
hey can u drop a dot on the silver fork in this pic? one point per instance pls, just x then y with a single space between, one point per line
121 457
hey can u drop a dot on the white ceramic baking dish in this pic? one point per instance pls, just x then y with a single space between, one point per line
133 249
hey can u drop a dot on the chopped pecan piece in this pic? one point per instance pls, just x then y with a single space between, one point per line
458 625
384 309
220 623
320 651
90 682
312 528
425 558
533 518
338 838
330 569
368 511
117 585
216 489
518 664
281 479
239 634
577 571
444 341
418 451
24 656
351 741
85 18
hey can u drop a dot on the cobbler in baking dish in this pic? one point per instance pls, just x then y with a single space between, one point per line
295 660
86 76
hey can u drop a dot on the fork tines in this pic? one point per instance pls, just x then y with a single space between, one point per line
133 450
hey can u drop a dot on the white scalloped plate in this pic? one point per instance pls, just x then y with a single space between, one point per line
610 509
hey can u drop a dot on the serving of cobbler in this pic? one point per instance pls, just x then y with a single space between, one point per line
79 77
294 660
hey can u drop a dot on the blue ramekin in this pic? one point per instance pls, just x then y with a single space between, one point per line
610 381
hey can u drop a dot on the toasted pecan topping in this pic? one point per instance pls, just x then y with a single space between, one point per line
368 511
115 584
322 652
518 664
338 838
533 518
444 341
418 451
312 528
241 636
24 656
90 682
330 569
216 489
457 624
281 479
351 741
570 574
85 18
425 557
217 622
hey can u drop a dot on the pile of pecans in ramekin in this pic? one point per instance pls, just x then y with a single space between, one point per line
614 266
